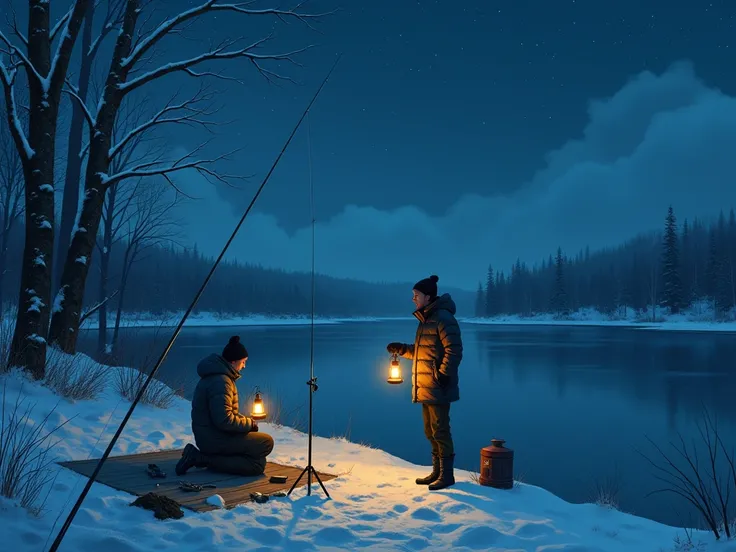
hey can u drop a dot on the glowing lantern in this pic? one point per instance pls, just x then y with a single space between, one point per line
259 409
394 372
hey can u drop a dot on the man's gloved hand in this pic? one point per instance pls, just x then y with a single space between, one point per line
444 380
395 348
253 425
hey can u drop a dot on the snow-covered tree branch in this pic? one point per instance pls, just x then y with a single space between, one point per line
133 49
220 53
195 111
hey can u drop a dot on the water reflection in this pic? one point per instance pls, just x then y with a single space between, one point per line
574 402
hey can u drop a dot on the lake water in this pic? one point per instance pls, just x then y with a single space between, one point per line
575 403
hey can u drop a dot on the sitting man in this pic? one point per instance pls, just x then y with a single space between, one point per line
228 441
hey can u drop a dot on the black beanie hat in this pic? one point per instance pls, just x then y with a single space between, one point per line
428 286
234 350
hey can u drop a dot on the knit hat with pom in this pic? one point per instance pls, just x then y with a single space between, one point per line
428 286
234 350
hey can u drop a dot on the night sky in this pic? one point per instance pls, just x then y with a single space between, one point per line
452 137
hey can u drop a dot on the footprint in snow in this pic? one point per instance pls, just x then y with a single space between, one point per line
479 537
419 499
267 536
401 508
203 533
268 521
312 513
532 529
368 517
391 535
333 536
457 508
156 436
425 514
417 543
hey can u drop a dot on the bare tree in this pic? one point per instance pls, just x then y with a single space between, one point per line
117 210
45 68
128 74
706 481
11 198
152 224
74 159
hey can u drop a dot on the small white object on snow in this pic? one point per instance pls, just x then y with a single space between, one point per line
216 500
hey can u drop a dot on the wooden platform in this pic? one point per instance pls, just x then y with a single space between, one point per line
128 474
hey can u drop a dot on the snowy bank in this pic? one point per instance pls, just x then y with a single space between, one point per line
374 503
210 319
697 318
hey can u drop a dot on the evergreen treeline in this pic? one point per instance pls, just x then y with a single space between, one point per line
166 279
669 270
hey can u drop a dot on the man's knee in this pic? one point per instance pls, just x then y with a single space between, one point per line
268 444
263 443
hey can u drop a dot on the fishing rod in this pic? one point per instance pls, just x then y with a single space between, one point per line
93 477
312 382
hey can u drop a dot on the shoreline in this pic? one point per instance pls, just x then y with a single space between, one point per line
680 324
209 320
586 318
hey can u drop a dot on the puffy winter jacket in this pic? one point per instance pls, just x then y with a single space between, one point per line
437 350
215 413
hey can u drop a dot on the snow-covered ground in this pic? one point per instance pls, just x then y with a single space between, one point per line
208 319
374 503
698 318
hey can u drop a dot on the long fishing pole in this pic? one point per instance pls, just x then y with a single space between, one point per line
311 337
93 477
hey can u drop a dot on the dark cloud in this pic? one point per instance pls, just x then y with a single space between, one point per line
661 139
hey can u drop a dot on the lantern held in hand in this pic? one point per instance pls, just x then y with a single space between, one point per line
394 372
259 409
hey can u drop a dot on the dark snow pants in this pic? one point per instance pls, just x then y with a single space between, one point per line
437 428
241 454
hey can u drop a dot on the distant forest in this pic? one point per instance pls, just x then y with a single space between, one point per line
659 272
165 278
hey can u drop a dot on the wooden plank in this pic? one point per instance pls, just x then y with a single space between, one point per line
127 474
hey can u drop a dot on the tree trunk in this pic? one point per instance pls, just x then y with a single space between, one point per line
102 312
121 296
3 262
28 347
73 180
105 271
65 322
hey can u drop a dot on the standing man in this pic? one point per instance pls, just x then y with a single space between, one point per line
436 355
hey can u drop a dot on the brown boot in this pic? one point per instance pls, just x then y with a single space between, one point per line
447 474
190 458
432 477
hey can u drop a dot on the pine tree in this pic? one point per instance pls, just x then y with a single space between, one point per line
672 295
686 261
491 307
559 295
480 302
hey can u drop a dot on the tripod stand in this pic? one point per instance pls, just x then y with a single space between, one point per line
309 469
312 383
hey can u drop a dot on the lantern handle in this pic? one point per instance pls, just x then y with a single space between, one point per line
395 357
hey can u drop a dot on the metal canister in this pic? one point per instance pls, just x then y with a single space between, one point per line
497 465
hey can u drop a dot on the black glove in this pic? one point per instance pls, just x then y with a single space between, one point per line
444 380
253 426
395 348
